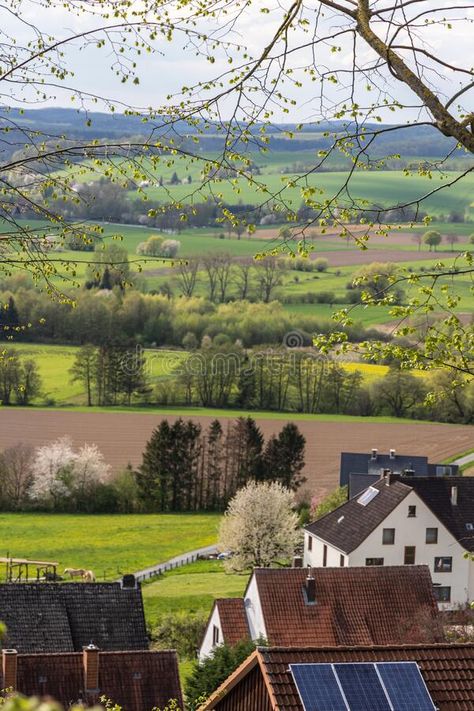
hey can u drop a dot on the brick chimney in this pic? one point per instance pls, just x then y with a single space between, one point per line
90 659
310 588
9 668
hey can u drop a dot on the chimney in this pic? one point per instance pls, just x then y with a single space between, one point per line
310 588
9 668
387 476
297 561
392 453
90 659
129 581
374 455
454 496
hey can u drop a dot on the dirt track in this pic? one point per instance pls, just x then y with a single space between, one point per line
122 437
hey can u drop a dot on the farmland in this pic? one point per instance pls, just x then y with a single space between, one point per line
110 545
122 435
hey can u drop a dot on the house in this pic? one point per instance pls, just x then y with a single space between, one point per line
135 680
270 678
422 520
291 607
64 617
359 470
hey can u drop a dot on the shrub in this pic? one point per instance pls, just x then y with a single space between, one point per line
180 631
321 264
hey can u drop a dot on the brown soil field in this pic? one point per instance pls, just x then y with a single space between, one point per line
357 256
122 437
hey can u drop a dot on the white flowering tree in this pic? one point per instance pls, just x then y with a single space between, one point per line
60 472
259 527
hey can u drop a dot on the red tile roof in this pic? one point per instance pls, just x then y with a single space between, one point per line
137 680
354 606
448 671
233 619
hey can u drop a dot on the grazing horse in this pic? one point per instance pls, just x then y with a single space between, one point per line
75 572
88 576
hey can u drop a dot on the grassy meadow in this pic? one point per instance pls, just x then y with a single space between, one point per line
110 545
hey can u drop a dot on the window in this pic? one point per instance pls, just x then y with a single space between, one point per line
367 496
325 555
310 543
443 565
342 561
374 561
442 593
431 535
443 471
215 635
411 511
388 536
409 558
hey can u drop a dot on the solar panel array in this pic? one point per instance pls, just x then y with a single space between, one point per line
379 686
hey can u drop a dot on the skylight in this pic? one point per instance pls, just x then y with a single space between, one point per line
367 496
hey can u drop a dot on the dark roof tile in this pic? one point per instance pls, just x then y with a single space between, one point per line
52 617
233 619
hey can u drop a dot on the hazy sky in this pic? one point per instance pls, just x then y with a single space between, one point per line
171 66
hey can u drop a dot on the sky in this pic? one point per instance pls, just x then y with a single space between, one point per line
171 65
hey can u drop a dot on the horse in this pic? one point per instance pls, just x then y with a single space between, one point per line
88 576
75 572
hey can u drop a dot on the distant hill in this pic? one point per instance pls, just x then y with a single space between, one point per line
417 141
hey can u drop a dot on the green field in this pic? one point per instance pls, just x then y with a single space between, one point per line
110 545
192 589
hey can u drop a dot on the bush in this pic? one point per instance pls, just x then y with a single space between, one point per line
321 264
180 631
170 248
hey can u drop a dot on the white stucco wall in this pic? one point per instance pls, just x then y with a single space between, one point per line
206 644
315 556
253 610
409 531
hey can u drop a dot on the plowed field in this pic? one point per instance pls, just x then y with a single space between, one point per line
122 437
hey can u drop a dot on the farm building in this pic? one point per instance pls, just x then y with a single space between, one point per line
64 617
359 470
279 679
423 520
344 606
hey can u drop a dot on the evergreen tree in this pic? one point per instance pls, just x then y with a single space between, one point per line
283 459
249 451
9 318
83 369
153 476
215 467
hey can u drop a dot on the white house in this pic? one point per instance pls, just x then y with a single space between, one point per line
404 521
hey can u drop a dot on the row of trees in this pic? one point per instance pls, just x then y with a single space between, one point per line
154 319
187 469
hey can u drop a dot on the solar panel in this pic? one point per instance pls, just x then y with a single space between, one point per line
362 688
405 686
318 687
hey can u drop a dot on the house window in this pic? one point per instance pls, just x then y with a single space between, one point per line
411 511
310 543
325 555
409 558
443 565
374 561
341 561
443 470
215 635
431 535
388 536
442 593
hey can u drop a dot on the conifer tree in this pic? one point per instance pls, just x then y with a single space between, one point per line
283 459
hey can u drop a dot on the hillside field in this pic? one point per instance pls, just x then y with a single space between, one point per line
110 545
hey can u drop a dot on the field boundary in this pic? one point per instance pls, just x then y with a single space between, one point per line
176 562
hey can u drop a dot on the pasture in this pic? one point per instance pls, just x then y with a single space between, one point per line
122 436
110 545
